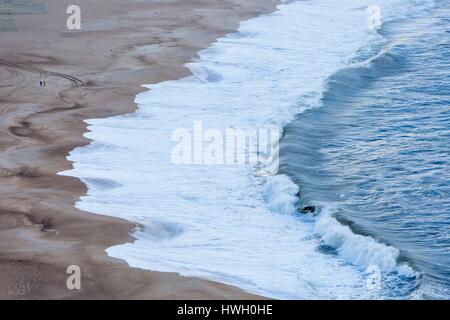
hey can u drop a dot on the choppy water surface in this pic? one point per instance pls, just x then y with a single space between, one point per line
377 151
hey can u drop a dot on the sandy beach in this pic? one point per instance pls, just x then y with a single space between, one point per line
91 73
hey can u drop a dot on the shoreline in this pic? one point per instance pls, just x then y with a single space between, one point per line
117 50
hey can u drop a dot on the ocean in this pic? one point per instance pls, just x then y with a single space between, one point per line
360 94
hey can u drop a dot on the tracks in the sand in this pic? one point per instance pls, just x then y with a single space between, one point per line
19 85
31 68
16 70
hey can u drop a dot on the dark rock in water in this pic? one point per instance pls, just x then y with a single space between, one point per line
309 209
326 249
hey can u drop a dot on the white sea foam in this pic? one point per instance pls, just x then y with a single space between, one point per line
281 194
282 197
215 221
358 249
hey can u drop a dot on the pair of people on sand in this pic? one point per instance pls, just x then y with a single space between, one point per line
42 83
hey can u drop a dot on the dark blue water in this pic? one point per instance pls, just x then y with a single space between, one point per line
378 149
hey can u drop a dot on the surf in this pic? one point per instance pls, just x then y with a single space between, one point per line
237 224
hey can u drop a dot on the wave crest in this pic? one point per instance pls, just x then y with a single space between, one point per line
281 194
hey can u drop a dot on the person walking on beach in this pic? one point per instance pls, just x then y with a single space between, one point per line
40 83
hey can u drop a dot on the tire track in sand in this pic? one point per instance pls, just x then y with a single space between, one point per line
17 69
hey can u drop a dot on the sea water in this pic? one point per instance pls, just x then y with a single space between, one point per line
364 116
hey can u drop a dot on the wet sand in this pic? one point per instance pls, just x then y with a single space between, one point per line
94 72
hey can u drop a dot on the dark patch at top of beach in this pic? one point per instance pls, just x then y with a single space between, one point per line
10 8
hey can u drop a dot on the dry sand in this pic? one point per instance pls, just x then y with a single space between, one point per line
122 44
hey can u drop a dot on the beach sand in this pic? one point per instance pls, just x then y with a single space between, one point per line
122 44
